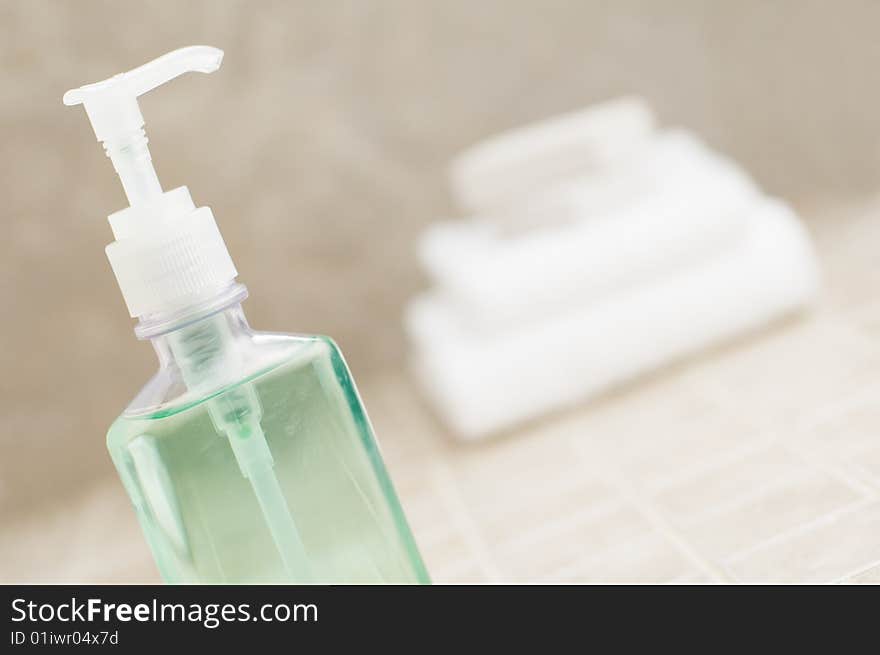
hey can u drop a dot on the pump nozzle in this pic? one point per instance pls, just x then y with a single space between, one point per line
167 253
115 116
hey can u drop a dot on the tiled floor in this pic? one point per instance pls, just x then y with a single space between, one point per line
757 462
658 483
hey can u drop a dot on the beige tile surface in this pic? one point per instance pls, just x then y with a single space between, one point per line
779 510
829 548
868 576
757 462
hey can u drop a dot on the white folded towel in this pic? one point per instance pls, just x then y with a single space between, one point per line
670 158
515 163
685 205
481 385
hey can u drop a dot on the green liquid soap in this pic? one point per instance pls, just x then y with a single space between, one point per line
289 488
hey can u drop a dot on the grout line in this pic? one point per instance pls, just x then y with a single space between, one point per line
697 471
652 514
449 495
836 409
864 569
816 419
570 570
798 530
834 469
753 493
546 493
555 528
870 479
716 392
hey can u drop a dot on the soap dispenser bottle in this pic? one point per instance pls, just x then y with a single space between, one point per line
248 456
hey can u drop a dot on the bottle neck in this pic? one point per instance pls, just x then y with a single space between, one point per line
196 309
205 341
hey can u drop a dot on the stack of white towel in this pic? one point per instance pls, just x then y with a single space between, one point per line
599 248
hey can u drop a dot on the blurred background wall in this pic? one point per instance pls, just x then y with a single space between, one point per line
321 146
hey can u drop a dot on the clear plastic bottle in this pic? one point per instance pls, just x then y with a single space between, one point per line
248 456
319 508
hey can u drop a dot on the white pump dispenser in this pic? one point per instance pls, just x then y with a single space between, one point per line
167 252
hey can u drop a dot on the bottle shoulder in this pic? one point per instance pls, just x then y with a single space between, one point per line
256 353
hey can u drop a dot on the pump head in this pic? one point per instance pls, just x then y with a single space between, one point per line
167 253
113 110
